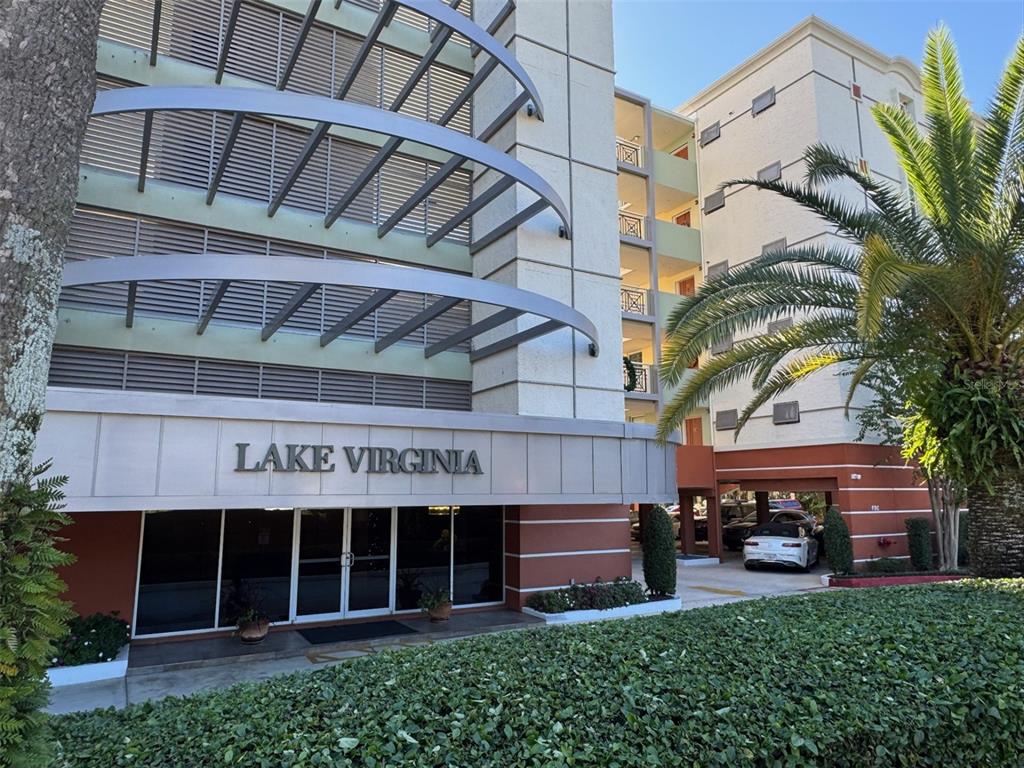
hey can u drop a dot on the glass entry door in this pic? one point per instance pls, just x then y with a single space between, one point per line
343 563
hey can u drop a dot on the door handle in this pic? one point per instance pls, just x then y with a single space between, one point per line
347 559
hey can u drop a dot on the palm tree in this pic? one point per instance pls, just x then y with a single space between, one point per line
928 290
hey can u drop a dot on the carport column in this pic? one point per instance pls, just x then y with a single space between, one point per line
761 504
687 534
714 524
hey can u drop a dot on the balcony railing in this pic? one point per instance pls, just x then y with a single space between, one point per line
634 300
645 378
629 153
631 225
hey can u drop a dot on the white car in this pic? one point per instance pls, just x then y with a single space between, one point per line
787 544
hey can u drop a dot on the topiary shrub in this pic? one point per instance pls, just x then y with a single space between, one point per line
32 615
838 543
919 542
659 553
92 639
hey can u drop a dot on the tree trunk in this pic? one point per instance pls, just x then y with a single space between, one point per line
47 81
945 502
996 540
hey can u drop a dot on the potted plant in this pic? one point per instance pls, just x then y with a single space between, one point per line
252 622
437 603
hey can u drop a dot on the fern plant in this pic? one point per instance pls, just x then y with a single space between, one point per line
32 615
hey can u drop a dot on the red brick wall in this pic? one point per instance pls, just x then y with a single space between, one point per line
103 577
542 542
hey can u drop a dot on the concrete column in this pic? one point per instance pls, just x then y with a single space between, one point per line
569 57
687 534
714 525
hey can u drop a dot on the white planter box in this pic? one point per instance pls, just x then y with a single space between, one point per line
640 609
90 673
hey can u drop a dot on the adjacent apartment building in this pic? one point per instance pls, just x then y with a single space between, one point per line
341 312
815 84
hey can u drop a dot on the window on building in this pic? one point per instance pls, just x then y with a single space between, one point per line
424 553
856 93
771 172
257 563
714 201
683 219
762 102
687 286
786 413
725 420
683 153
178 571
907 105
710 134
694 431
478 562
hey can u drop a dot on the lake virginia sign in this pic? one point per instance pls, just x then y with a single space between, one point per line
299 457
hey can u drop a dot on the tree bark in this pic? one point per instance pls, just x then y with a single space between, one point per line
47 83
945 502
996 540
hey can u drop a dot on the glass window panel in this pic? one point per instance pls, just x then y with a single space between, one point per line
424 553
257 563
369 577
479 555
320 540
178 571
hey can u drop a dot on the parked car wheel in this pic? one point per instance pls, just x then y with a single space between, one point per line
749 566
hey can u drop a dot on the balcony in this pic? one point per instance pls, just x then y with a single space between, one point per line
646 380
628 153
632 225
673 173
636 301
676 241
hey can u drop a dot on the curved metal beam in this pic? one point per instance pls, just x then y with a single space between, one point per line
321 109
476 35
246 267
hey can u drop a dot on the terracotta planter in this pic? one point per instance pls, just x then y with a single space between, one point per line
253 631
441 612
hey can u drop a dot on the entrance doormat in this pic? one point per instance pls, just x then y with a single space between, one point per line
343 633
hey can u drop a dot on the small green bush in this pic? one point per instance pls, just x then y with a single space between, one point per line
92 639
927 675
888 565
584 597
919 542
659 553
838 544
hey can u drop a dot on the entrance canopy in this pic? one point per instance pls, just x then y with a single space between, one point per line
312 274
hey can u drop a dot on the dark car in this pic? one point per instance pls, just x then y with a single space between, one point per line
735 532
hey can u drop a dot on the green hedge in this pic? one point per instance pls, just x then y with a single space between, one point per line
91 639
582 597
659 545
919 542
838 544
909 676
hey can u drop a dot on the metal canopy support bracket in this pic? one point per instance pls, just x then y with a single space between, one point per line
129 310
225 47
211 308
415 322
515 340
478 202
300 40
147 134
490 322
300 297
499 18
225 155
375 300
503 229
154 38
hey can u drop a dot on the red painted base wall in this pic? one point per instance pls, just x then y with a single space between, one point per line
102 580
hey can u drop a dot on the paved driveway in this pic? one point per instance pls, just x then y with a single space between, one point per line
701 585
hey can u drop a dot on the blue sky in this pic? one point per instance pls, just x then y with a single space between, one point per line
668 50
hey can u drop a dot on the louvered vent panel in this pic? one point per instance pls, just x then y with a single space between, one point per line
398 68
96 235
313 70
445 85
346 387
217 377
306 318
347 162
339 301
82 367
373 5
180 147
405 392
160 373
127 21
178 298
113 141
248 171
243 302
448 199
191 29
283 383
399 178
254 48
455 319
448 395
399 309
310 190
366 89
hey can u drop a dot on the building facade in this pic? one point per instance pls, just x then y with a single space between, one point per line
340 313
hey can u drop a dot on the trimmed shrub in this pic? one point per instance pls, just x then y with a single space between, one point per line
927 675
919 542
91 640
585 597
838 544
888 565
659 553
32 615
